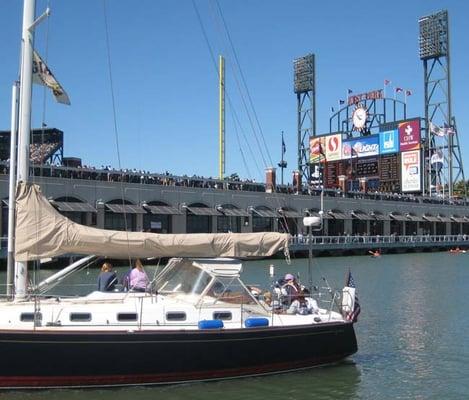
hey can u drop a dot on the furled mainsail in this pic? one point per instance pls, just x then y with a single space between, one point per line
43 232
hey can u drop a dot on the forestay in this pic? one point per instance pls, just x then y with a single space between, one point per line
43 232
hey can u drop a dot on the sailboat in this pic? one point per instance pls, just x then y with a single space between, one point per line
196 321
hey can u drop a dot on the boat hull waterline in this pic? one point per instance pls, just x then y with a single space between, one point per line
99 358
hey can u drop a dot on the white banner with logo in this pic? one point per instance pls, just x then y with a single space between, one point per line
333 147
411 171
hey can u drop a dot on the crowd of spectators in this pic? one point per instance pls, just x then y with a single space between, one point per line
39 153
109 174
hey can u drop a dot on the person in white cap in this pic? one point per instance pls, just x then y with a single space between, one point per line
290 289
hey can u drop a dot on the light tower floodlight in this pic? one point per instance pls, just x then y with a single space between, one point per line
304 73
435 54
305 89
433 38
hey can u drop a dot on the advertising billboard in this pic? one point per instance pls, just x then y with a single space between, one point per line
409 135
411 171
333 147
317 147
361 147
389 142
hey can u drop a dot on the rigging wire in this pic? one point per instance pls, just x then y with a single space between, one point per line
233 49
37 265
246 89
243 100
238 139
207 41
116 131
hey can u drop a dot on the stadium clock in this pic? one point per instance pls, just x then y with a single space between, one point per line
359 117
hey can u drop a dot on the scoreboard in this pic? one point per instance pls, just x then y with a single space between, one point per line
367 167
391 159
389 168
386 168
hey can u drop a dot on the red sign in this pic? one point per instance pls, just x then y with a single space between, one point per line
409 135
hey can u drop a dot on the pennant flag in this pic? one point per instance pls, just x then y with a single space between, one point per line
398 89
42 75
449 129
349 91
408 93
436 130
387 82
353 315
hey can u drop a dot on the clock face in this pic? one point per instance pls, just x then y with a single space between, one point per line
359 118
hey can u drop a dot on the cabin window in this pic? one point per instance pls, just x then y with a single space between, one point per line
126 317
80 317
223 315
175 316
29 317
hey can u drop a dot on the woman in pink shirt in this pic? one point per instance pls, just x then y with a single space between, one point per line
138 278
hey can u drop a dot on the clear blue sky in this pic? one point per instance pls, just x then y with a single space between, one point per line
166 86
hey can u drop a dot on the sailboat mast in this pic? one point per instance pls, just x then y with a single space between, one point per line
24 129
12 187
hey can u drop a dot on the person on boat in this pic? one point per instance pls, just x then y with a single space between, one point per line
107 279
290 289
138 278
304 304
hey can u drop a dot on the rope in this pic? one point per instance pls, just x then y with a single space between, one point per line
116 131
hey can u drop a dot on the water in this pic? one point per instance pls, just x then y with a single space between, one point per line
412 337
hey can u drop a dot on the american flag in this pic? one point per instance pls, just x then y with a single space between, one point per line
449 129
353 316
387 82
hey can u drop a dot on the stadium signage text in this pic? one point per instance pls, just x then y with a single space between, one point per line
373 95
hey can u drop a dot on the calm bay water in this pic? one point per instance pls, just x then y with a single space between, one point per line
413 337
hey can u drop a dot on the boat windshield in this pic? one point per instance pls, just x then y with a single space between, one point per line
182 277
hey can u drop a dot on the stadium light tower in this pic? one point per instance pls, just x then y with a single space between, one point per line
435 54
305 89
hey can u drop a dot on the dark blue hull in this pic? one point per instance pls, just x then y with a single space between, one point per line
81 359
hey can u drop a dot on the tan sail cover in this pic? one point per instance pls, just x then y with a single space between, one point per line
43 232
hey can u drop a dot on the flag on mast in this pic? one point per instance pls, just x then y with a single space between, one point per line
42 75
386 83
